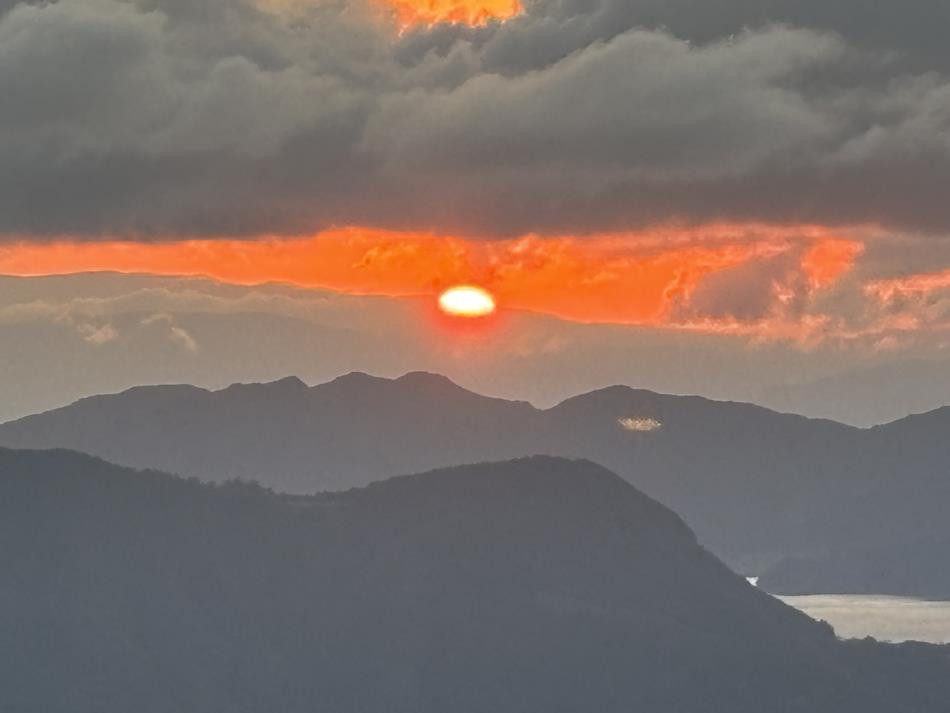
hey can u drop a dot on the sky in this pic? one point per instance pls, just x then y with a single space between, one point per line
66 337
767 175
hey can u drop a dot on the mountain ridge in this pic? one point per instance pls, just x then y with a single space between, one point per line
432 378
758 486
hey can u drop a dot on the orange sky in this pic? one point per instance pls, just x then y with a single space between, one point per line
472 12
632 279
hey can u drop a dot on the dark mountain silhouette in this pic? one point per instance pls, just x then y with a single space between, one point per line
345 433
757 486
905 567
536 585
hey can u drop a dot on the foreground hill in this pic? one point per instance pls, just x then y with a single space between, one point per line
756 485
540 584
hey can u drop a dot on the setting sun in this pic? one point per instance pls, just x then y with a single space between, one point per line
467 301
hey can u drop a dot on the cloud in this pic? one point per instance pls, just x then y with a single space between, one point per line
156 118
652 277
183 338
470 12
774 171
178 335
98 335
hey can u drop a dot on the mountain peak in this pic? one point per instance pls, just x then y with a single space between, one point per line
287 384
426 377
540 470
433 383
359 378
415 383
540 487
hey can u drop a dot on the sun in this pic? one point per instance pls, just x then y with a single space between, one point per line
467 301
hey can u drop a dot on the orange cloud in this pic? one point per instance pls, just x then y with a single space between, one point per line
909 285
827 260
470 12
627 279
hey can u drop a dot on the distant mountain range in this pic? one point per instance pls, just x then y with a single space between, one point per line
905 567
759 487
535 585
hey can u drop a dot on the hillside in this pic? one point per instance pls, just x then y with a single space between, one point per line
539 584
757 486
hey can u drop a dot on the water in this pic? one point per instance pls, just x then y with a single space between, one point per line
885 618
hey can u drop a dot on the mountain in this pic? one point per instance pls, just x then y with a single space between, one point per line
757 486
539 584
296 439
903 568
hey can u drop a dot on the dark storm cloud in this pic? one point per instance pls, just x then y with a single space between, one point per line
166 117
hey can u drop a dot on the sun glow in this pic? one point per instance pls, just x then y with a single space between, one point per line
467 301
644 278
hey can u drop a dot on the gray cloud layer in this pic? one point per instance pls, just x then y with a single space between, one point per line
164 117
